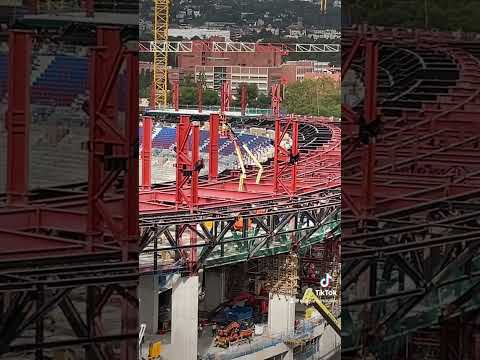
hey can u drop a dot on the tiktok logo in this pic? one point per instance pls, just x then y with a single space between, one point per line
325 282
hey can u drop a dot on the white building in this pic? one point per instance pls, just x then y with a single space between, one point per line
204 33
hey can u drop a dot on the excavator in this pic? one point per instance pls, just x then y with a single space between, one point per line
310 298
228 132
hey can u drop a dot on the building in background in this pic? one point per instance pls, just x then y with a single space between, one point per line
203 33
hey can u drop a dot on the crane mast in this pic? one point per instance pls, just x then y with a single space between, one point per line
160 54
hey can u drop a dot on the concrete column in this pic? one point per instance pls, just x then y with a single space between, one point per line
148 294
281 314
184 318
329 341
214 289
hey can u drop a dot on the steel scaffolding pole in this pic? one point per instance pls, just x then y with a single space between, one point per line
213 147
147 153
18 117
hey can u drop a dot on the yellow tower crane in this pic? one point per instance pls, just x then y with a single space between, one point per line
160 52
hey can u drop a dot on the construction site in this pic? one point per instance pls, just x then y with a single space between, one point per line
410 194
69 180
239 211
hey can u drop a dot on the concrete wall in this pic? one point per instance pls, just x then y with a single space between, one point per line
281 314
329 341
148 295
184 319
214 290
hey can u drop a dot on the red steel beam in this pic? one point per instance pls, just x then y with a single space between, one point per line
147 153
213 147
276 100
176 95
89 7
225 96
244 99
105 64
18 117
188 160
285 158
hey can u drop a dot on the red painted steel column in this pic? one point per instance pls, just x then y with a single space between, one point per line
225 95
213 147
109 38
182 135
104 144
195 161
370 114
18 117
244 99
130 211
147 153
89 7
176 95
276 100
95 152
294 153
276 156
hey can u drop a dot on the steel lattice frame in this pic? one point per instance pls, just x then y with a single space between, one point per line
54 253
164 46
424 202
284 221
160 55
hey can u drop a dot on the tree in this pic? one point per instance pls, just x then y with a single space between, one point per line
210 97
313 97
202 79
188 95
188 80
252 94
263 101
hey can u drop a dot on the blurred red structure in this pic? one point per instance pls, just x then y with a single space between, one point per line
47 234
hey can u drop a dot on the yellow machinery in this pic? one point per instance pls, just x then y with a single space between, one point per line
154 350
160 52
243 175
310 298
236 142
323 6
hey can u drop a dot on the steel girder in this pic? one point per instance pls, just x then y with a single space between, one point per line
215 46
415 260
265 230
52 247
33 297
231 226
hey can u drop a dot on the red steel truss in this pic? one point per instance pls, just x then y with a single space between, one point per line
17 117
410 164
276 100
87 242
188 163
147 153
285 159
225 97
244 99
176 95
213 147
308 201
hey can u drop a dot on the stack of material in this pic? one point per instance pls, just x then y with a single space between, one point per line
282 275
